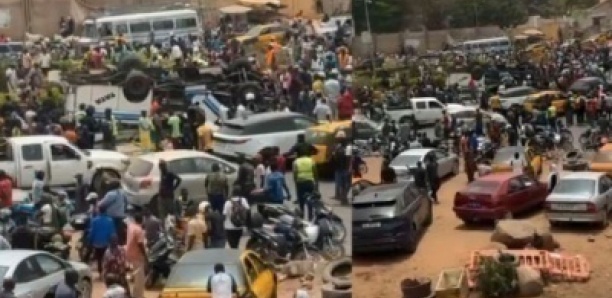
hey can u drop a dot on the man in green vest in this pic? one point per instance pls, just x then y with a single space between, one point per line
110 130
306 180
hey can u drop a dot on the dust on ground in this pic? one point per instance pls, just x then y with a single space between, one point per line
448 244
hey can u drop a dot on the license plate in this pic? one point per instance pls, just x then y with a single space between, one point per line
569 207
370 225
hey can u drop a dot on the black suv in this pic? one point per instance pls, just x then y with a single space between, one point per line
390 217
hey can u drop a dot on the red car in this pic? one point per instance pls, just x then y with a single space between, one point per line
499 196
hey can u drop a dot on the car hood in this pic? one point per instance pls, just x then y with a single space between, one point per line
561 197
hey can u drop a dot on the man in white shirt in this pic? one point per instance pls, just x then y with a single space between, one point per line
322 111
45 62
177 54
331 90
11 79
517 164
221 284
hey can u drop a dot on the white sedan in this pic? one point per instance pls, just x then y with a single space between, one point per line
448 164
36 273
580 197
141 180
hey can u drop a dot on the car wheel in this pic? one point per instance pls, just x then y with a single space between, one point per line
97 182
85 288
604 214
456 169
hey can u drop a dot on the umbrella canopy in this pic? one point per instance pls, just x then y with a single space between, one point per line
235 9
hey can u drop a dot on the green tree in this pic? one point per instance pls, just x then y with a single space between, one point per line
502 13
386 16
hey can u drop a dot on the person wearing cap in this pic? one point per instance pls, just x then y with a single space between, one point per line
197 229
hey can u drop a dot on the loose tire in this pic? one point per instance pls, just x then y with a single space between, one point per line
329 276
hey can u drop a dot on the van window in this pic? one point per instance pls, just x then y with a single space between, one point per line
4 49
140 27
32 152
163 25
186 23
421 105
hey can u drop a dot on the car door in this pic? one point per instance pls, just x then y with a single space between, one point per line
444 163
517 195
65 163
420 111
32 160
435 110
53 270
417 206
536 192
265 281
28 277
187 170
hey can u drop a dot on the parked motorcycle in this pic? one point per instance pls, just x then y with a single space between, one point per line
161 259
590 139
284 241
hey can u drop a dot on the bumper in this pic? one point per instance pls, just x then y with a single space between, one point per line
574 217
473 214
385 241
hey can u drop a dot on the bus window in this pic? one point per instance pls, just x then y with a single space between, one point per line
139 27
163 25
121 28
90 30
186 23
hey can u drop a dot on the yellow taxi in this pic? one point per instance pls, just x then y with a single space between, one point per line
261 36
323 138
601 162
544 99
502 161
190 275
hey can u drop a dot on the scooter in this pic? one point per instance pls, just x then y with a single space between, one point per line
161 260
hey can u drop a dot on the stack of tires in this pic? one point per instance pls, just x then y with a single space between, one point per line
417 288
337 278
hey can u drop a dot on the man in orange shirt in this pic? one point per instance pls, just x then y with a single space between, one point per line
136 254
205 137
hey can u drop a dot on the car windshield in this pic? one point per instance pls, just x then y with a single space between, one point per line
575 187
603 157
506 155
195 276
139 167
483 187
406 160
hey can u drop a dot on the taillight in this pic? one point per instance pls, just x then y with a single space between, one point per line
592 208
145 183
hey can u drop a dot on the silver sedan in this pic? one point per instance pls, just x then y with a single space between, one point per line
448 163
580 197
36 273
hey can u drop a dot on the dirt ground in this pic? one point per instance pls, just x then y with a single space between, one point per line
447 244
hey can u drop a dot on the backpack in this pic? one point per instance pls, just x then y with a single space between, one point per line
239 214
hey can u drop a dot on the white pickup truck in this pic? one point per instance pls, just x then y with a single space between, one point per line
425 110
60 161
